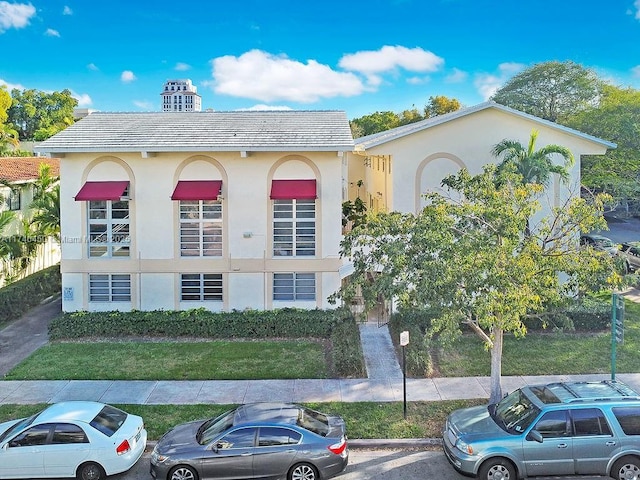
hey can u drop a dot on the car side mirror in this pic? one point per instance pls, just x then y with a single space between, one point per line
535 435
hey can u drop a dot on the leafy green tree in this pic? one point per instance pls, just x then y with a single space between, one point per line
36 115
8 136
409 116
439 105
464 258
551 90
617 119
5 103
374 123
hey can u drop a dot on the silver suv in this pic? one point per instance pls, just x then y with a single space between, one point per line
566 428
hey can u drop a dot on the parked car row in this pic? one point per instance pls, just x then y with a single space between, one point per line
91 440
628 252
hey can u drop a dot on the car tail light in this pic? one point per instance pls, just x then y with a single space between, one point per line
339 447
123 448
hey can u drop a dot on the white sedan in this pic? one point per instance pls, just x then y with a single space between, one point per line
86 440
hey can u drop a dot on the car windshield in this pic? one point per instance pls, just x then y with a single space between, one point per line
214 427
314 421
603 242
19 425
108 420
515 412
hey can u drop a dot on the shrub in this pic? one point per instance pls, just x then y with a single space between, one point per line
418 354
336 326
588 315
18 297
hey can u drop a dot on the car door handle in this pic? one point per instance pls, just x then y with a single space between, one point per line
562 445
610 444
246 454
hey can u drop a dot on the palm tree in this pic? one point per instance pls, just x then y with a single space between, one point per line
535 166
8 136
46 203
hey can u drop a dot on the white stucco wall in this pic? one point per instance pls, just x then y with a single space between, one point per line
423 159
247 223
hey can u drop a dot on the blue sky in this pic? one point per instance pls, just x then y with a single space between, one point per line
356 56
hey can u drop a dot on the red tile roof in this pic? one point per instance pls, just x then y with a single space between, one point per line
19 169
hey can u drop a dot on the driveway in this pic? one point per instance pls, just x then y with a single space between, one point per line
622 229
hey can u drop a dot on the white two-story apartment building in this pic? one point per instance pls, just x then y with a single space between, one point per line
221 210
237 210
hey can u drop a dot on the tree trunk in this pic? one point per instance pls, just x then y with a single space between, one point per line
496 365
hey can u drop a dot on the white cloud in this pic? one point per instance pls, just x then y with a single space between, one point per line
181 67
418 80
262 108
50 32
144 105
67 10
84 100
487 83
636 70
11 86
456 76
15 15
266 77
390 58
127 76
93 66
637 5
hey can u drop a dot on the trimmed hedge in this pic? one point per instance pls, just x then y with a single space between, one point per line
337 326
18 297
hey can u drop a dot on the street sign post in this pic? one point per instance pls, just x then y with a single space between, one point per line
617 328
404 341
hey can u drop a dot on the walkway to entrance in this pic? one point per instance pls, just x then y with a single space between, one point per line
379 354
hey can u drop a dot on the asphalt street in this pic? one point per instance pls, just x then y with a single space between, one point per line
370 464
622 229
418 464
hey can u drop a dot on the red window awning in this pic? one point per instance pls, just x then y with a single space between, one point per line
293 189
197 190
102 191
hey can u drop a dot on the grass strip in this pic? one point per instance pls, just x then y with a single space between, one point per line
365 420
217 360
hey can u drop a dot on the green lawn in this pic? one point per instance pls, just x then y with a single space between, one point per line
549 353
216 360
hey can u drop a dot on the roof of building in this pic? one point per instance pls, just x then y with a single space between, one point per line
380 138
22 169
285 130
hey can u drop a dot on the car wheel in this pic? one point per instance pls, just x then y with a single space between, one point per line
183 472
627 468
303 471
497 469
90 471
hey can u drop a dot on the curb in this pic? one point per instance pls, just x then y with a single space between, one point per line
373 443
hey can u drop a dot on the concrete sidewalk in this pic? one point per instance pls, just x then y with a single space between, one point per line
244 391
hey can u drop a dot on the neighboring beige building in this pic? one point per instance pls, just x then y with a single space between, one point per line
398 166
237 210
21 173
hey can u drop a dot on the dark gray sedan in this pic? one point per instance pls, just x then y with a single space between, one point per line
269 441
